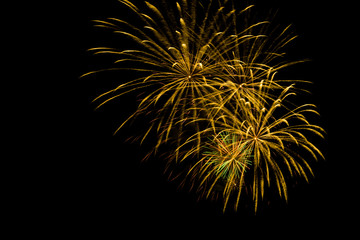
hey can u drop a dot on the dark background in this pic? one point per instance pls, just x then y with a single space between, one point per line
95 185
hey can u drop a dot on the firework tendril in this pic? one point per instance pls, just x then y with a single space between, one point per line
208 75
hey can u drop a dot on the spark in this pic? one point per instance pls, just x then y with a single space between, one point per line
208 79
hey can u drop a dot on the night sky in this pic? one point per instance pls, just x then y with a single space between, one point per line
103 188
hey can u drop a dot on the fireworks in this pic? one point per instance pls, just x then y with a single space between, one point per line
259 141
208 77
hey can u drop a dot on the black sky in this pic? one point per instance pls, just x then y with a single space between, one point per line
103 187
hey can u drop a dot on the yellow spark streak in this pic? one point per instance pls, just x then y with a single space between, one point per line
209 82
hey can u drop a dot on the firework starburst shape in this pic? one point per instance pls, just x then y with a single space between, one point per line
209 78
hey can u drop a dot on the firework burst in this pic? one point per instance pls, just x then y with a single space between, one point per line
207 75
175 59
268 140
226 158
182 55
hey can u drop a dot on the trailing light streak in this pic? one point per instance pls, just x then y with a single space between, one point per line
209 80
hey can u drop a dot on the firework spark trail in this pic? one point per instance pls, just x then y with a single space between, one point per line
208 77
182 60
226 160
263 132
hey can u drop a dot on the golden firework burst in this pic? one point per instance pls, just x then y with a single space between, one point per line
273 138
209 80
